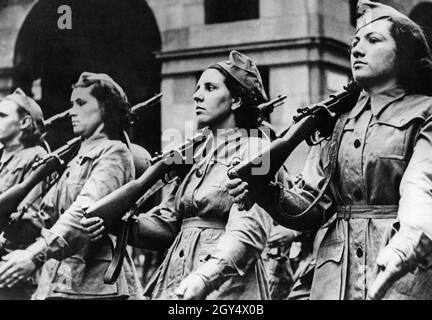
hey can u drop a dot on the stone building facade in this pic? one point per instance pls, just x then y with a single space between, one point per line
300 47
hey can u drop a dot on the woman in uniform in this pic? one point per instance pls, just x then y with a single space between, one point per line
73 267
214 250
21 125
380 165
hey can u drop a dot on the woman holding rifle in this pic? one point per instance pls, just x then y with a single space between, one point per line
214 250
378 243
73 267
21 125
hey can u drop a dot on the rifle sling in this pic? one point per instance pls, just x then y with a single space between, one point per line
330 170
116 264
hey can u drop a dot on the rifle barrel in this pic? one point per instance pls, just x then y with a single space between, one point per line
146 104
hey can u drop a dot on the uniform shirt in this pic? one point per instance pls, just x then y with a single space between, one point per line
77 267
384 159
13 170
207 233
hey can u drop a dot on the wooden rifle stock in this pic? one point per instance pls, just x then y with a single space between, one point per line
112 207
311 121
10 199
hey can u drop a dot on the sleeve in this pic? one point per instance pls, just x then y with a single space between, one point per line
239 247
25 225
413 240
110 170
156 229
285 204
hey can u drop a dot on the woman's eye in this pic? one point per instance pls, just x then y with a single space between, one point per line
210 87
373 40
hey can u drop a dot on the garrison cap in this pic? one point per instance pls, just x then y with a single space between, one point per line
368 12
244 70
29 105
88 78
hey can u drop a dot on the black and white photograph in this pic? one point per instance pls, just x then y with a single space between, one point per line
236 151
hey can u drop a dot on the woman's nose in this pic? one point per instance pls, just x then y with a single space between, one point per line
358 50
197 96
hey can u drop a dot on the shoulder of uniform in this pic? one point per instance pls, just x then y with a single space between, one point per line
33 152
408 109
419 105
113 146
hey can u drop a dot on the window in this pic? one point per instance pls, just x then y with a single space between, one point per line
219 11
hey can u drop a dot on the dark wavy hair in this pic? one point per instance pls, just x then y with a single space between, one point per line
247 116
413 56
30 136
114 107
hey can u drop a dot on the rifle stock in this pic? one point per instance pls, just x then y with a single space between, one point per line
10 199
319 118
112 207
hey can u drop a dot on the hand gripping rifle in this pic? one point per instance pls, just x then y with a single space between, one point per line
165 169
54 162
312 124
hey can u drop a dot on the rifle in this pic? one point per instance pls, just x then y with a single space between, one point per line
313 124
41 169
165 168
140 107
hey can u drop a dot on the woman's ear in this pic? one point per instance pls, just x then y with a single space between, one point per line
25 122
237 103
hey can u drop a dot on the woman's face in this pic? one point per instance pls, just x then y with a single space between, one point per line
212 100
85 113
9 121
373 54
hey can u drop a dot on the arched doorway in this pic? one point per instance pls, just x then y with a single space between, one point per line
115 37
422 14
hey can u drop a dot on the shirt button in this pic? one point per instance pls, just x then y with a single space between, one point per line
357 143
359 252
181 253
358 195
62 210
199 173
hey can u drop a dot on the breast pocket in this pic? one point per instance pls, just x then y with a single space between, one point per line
79 169
396 137
12 175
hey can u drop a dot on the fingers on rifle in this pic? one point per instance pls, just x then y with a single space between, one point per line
231 184
96 227
96 236
88 222
239 190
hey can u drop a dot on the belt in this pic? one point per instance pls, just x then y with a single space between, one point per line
198 222
367 212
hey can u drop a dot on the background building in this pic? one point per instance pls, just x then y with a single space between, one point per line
300 46
163 45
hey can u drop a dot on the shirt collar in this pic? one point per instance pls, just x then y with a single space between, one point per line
379 101
92 142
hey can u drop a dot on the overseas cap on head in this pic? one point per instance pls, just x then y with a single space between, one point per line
245 72
28 104
88 78
368 12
